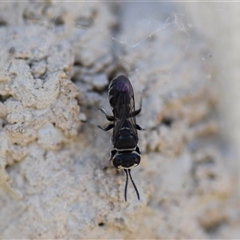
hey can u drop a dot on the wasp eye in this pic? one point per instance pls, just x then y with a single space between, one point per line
117 162
137 159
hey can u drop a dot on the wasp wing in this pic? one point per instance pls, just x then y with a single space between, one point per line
121 98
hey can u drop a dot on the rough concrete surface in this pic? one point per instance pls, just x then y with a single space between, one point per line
56 182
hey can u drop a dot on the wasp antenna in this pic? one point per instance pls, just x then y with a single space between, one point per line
126 185
129 172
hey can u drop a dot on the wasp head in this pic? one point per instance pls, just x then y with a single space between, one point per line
126 160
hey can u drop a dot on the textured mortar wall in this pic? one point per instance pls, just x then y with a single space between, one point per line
215 19
55 64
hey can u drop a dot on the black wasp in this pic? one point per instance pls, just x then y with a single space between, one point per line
125 153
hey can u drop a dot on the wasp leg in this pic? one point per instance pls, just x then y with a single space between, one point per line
139 128
109 118
113 152
138 150
136 112
108 127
